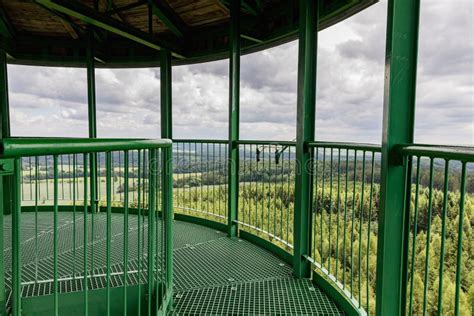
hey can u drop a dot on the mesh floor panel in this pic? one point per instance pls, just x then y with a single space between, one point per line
214 275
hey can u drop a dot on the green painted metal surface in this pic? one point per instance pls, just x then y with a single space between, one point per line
305 129
234 117
5 180
398 128
17 147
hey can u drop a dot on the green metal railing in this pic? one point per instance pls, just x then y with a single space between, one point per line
117 259
439 240
344 223
266 186
344 218
200 178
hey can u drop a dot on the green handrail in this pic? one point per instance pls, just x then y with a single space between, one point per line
27 147
159 280
461 153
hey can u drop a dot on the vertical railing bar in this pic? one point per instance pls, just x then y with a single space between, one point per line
315 212
338 208
256 185
16 239
69 176
108 227
330 209
139 254
345 221
62 175
214 178
125 230
369 218
30 177
189 175
120 180
151 225
460 233
361 217
415 232
272 174
289 207
352 219
323 206
443 235
282 190
428 237
21 178
47 177
207 176
55 236
201 175
73 214
265 206
36 217
86 237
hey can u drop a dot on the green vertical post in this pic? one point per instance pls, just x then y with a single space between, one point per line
5 181
166 97
398 127
167 167
234 109
305 120
92 122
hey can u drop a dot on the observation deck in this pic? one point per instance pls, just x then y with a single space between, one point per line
166 226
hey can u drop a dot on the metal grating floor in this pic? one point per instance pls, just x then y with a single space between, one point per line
214 275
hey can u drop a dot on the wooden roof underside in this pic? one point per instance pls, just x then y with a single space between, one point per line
36 32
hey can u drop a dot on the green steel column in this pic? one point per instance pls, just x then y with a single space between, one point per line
91 110
5 181
166 97
167 165
234 108
305 120
398 126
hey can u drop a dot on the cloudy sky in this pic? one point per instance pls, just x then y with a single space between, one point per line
53 101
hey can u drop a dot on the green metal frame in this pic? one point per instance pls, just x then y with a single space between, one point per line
18 148
234 117
305 133
398 128
5 180
172 21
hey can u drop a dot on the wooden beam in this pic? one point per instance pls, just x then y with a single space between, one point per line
166 14
247 5
116 10
88 15
71 27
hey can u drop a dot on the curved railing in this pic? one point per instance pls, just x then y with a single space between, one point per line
88 251
345 213
344 230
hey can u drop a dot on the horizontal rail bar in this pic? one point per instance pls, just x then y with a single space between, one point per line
355 146
201 141
17 147
462 153
266 142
